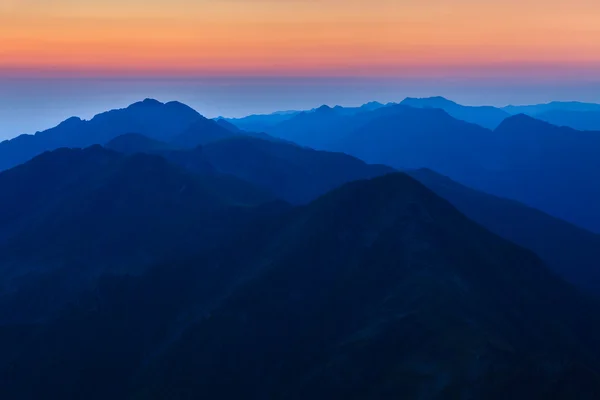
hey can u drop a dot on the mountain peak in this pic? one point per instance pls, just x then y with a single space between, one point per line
372 105
70 121
520 122
146 103
176 105
154 102
388 194
433 102
324 109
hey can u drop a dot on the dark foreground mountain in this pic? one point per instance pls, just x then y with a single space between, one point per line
379 289
570 251
69 216
486 116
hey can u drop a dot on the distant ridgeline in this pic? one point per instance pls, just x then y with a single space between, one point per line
545 166
523 158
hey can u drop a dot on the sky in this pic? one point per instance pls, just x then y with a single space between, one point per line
230 57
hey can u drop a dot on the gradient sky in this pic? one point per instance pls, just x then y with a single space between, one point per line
298 37
473 43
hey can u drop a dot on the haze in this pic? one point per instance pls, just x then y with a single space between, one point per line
55 53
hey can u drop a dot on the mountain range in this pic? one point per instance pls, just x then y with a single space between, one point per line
71 215
525 159
299 175
537 109
539 164
195 259
378 288
173 122
486 116
387 279
292 173
577 115
570 251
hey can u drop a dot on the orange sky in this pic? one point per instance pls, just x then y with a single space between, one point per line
299 37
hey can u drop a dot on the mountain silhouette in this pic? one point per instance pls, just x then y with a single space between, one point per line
548 167
580 120
570 251
261 122
77 214
200 132
313 128
128 276
524 159
352 296
486 116
171 123
299 175
373 285
292 173
184 258
266 122
410 137
325 127
151 118
227 125
536 109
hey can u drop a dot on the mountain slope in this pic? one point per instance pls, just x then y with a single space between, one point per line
536 109
151 118
315 128
380 289
524 159
548 167
580 120
73 215
261 122
412 137
227 125
486 116
570 251
325 127
299 175
131 143
291 172
202 131
377 290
